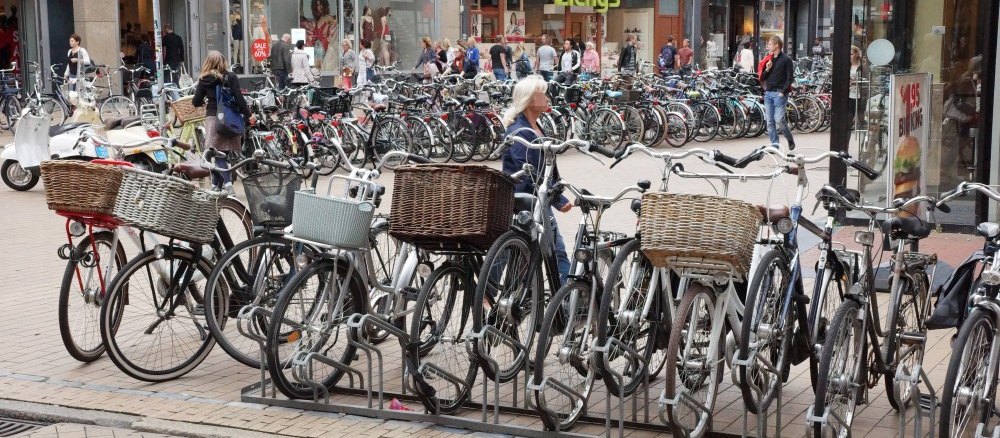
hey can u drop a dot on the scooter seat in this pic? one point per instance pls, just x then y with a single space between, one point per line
119 123
64 128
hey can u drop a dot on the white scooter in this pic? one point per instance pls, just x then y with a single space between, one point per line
35 141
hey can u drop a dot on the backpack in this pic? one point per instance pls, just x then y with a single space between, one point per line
230 122
522 67
666 59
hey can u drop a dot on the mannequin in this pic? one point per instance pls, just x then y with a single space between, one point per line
236 33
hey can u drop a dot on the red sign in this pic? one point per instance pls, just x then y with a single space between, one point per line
260 49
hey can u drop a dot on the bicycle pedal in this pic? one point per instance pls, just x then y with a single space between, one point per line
410 293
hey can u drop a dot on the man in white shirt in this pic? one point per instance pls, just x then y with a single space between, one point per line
545 60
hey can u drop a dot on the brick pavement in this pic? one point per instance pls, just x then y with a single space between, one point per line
34 366
69 430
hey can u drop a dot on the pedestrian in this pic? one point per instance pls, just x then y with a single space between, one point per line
545 59
776 77
449 53
173 52
442 56
667 61
569 64
528 101
745 58
215 73
348 63
499 60
281 60
857 73
591 67
471 64
366 63
628 58
145 56
522 65
77 60
817 49
685 56
457 65
427 62
301 68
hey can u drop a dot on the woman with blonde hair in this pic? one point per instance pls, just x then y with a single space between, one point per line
427 62
449 51
215 73
591 65
528 101
522 65
348 62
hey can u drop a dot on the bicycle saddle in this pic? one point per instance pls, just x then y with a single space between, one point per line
482 104
314 109
989 230
906 227
773 213
589 204
524 202
269 109
613 94
467 100
192 169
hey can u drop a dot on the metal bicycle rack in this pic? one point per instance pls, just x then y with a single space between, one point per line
763 414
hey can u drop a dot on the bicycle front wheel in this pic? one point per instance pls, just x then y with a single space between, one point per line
906 317
965 404
764 334
57 111
841 371
391 134
82 293
563 357
117 107
694 363
153 321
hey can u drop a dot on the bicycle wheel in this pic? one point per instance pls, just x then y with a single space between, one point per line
11 112
235 216
676 130
80 295
841 376
313 309
764 333
117 107
605 127
623 301
437 353
653 126
483 137
634 124
909 301
423 137
442 149
57 111
708 121
563 355
153 329
510 283
464 138
756 124
252 273
965 403
690 367
391 134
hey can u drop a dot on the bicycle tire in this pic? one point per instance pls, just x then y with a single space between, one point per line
765 299
634 124
653 126
976 332
629 296
57 111
845 323
443 143
700 296
676 132
464 138
520 320
11 113
910 307
117 107
285 341
421 134
92 348
707 121
435 333
605 127
123 295
391 134
553 362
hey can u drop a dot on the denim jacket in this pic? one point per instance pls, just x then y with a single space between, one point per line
516 155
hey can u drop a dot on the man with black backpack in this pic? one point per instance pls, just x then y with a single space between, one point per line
667 61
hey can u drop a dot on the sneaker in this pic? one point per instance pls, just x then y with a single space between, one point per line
228 188
791 146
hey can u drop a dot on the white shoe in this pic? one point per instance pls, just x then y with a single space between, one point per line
228 188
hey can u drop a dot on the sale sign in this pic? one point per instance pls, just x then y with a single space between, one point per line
909 133
260 49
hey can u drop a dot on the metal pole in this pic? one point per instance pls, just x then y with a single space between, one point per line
158 38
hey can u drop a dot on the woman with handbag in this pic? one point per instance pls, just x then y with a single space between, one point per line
348 62
427 63
216 76
366 60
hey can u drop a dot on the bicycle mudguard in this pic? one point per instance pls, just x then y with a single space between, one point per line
952 307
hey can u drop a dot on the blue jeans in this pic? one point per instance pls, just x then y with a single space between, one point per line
774 113
500 74
222 162
547 75
560 246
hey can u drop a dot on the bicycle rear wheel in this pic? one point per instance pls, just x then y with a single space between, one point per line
676 131
963 406
842 375
117 107
909 302
57 111
81 294
391 134
152 321
764 333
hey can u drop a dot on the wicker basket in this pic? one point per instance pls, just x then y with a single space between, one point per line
341 223
166 205
81 187
271 196
185 111
451 207
698 227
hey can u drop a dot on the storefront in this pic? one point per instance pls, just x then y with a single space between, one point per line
955 42
718 29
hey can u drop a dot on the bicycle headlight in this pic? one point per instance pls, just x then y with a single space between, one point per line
301 261
523 217
991 278
77 229
160 251
866 238
582 255
784 225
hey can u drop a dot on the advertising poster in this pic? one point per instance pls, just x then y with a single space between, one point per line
909 134
514 28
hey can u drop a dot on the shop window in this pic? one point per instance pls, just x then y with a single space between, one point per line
670 7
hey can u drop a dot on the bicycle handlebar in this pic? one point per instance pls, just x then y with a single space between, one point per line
774 150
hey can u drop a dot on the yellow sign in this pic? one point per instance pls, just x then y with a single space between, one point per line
598 5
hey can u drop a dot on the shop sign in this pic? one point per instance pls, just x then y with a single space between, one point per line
260 49
909 134
598 5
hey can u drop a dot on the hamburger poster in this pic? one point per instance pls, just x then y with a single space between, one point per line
909 134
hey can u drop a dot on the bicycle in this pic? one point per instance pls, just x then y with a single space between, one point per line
136 96
845 370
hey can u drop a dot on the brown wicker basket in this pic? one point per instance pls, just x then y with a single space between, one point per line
185 111
451 207
81 187
698 228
